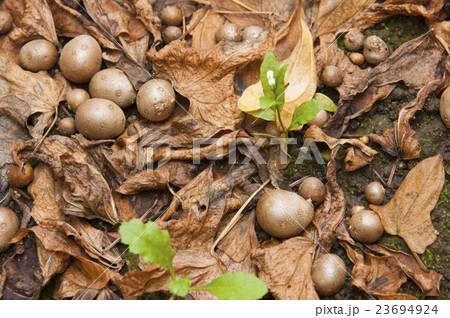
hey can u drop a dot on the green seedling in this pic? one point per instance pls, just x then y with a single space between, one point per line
154 246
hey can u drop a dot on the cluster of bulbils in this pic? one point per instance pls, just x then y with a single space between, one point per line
284 214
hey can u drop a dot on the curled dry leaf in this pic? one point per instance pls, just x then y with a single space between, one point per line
145 14
408 213
300 77
358 154
206 78
380 276
204 33
30 269
24 94
174 172
428 281
401 141
88 194
32 19
286 268
47 214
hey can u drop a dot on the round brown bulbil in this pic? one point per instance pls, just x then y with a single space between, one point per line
375 193
66 126
354 40
444 107
171 33
332 76
114 85
252 33
9 225
20 177
6 22
171 16
283 213
99 118
156 100
229 32
357 58
80 59
75 97
321 118
365 226
328 274
38 55
375 50
312 188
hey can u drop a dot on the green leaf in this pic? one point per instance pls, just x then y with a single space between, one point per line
279 88
266 114
270 63
305 112
149 241
328 104
180 286
236 286
266 102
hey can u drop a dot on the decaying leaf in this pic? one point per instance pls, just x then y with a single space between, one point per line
408 212
30 269
206 78
428 281
380 276
286 268
401 141
32 19
358 154
24 94
88 195
300 78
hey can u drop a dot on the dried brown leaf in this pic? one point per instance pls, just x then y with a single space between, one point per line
26 93
380 276
204 33
408 213
32 19
428 281
286 268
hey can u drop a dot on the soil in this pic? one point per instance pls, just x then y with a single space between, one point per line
434 139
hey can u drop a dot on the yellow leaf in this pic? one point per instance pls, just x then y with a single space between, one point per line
300 77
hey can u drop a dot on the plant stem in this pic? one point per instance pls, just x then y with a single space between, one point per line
281 122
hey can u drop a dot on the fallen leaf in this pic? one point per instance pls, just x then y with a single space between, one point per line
401 141
30 269
286 268
408 212
32 19
24 94
380 276
204 33
88 195
206 78
428 281
145 14
300 77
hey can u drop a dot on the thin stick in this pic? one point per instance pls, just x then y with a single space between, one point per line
193 25
391 175
236 216
46 133
244 5
6 196
380 178
353 136
293 184
245 12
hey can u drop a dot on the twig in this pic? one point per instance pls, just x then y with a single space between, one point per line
391 175
46 133
380 178
66 111
244 5
236 216
6 197
252 12
293 184
353 136
193 25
